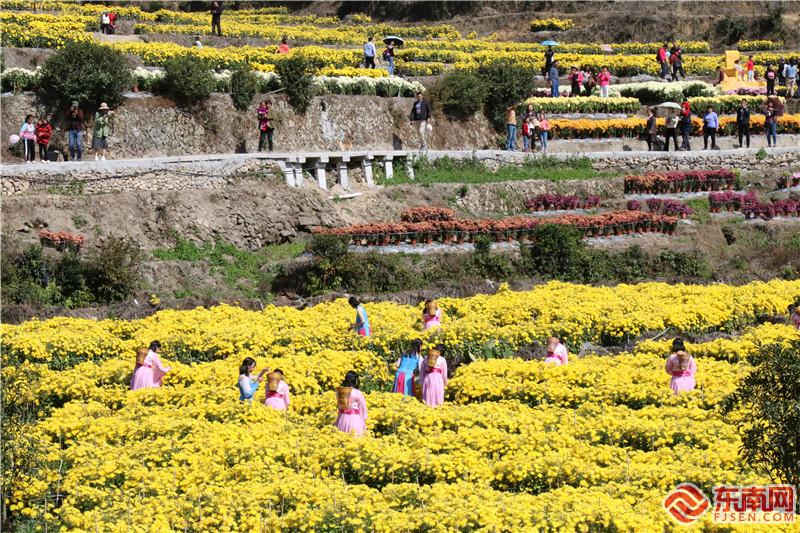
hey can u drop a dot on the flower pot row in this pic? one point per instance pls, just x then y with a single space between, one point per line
61 240
673 208
678 182
548 202
427 214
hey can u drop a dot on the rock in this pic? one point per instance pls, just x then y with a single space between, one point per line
590 348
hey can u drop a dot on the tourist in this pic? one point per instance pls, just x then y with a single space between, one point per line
247 384
710 125
794 314
790 74
662 57
575 78
676 58
650 129
421 113
352 406
686 124
431 315
548 62
682 367
369 53
388 56
216 18
265 129
100 136
529 112
751 66
149 371
527 134
740 73
511 128
197 43
743 123
671 131
604 79
720 75
361 325
589 81
771 125
779 72
75 131
406 368
283 48
553 77
544 128
277 394
43 132
433 372
535 128
556 352
28 135
770 76
105 23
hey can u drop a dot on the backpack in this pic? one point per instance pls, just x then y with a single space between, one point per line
386 55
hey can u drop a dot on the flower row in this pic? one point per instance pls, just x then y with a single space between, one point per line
61 240
427 214
551 24
789 181
674 208
584 104
680 181
453 51
751 206
758 45
545 202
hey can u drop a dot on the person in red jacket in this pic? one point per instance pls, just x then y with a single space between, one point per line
43 132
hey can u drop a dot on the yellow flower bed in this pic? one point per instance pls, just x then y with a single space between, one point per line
518 446
552 24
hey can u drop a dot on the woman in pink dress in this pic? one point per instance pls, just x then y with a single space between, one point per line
433 372
682 368
431 316
556 352
352 406
150 372
277 399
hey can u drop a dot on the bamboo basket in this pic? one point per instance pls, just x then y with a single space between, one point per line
343 397
273 380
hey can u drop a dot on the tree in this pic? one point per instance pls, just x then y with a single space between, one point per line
244 85
459 94
188 80
769 401
86 72
296 77
507 84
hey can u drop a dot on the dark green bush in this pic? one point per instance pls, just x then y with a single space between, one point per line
188 80
507 84
484 263
685 264
244 85
297 76
556 252
459 94
113 271
86 72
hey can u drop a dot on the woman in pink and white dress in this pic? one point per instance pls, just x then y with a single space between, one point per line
431 316
433 372
682 367
277 391
556 352
352 406
150 371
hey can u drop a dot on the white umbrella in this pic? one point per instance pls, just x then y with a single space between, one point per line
670 105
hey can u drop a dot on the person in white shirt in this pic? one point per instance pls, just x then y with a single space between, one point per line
197 43
369 53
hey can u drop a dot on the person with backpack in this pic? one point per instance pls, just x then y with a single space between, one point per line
743 123
710 125
369 53
662 60
676 58
388 56
686 124
43 132
265 129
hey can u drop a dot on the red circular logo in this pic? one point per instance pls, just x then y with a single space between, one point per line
686 503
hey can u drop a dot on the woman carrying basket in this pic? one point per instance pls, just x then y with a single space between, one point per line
277 391
352 406
682 368
433 373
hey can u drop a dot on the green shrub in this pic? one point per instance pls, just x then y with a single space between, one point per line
85 72
113 271
297 76
692 264
484 263
244 85
556 252
188 80
507 84
459 94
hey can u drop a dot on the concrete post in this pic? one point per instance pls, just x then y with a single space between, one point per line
288 172
298 174
409 167
344 181
388 169
366 168
319 168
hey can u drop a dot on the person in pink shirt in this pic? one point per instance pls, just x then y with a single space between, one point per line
750 65
150 371
433 372
544 129
603 80
682 367
277 392
352 406
556 352
431 316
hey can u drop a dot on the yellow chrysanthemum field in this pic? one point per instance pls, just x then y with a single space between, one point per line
518 445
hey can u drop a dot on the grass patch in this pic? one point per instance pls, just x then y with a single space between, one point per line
246 272
701 209
448 170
